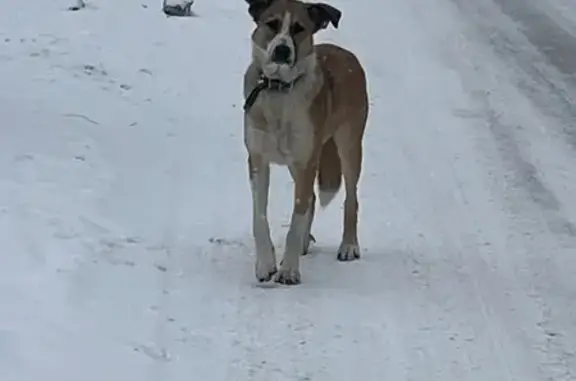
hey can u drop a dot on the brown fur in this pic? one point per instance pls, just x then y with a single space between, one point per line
329 172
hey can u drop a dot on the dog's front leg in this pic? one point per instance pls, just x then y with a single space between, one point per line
259 184
299 224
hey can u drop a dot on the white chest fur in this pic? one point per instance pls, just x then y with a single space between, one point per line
286 135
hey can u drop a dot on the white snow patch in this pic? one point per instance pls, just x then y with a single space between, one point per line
125 209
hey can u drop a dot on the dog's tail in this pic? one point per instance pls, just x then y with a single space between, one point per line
329 173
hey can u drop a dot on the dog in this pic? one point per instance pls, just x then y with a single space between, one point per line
306 107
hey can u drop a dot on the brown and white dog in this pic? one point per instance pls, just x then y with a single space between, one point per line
306 108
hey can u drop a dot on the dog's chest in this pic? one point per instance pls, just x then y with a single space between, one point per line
286 135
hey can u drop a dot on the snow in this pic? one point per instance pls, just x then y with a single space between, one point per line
562 11
181 3
125 207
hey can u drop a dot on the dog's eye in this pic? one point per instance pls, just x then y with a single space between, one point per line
296 28
274 25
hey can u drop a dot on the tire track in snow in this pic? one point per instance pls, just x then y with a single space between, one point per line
455 308
525 175
508 255
543 32
519 168
513 134
551 92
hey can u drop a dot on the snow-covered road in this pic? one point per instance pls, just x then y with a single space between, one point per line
126 249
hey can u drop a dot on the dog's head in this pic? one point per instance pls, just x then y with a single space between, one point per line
283 41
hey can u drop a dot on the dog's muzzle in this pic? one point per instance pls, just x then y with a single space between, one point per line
281 54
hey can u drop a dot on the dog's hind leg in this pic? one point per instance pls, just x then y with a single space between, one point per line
350 152
309 238
259 185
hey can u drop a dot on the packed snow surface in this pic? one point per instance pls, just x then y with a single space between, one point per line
125 209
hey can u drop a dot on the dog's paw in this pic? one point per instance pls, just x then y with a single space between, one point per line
266 268
288 275
348 252
307 242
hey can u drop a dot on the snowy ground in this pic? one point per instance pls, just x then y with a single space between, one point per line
125 208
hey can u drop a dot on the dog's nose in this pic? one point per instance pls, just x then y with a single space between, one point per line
281 54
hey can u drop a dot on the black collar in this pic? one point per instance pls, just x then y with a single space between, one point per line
265 83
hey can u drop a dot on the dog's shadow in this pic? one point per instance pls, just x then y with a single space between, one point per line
378 267
320 268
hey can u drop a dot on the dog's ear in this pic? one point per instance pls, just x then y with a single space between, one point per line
257 7
322 14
